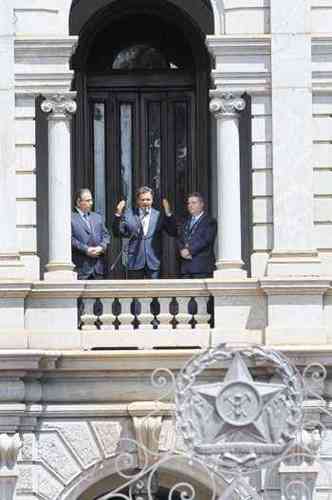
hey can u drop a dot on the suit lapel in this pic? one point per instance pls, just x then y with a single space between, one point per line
82 223
152 222
196 225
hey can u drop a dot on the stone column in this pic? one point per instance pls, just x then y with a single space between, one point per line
11 266
226 107
9 448
59 108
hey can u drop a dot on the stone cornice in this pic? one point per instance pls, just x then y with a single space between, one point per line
249 286
321 44
51 50
251 82
321 50
242 45
295 286
53 82
14 289
83 410
45 289
156 288
245 53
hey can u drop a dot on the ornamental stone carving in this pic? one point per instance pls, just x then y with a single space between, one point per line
239 424
10 446
59 106
9 449
226 104
147 424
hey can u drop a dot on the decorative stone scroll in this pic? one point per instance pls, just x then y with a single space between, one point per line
59 106
226 103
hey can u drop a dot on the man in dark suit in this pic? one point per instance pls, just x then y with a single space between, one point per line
89 238
143 226
196 240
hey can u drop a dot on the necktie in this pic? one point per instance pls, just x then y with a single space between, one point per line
145 222
192 222
86 219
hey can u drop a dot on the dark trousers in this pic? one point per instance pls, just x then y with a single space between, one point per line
142 274
93 276
196 275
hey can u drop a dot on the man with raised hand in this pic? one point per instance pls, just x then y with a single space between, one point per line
143 226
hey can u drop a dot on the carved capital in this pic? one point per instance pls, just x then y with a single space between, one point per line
59 106
10 445
226 104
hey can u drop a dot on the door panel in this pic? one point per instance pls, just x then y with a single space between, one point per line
142 138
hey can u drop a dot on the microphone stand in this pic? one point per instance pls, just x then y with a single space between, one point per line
124 250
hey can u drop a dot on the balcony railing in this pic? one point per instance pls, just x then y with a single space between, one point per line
145 312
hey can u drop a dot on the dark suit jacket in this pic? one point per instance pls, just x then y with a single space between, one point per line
200 242
81 238
143 250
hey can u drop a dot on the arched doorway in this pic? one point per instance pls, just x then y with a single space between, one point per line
142 77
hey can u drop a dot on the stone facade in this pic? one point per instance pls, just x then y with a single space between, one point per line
64 407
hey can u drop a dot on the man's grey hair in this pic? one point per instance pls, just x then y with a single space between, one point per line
198 195
143 190
80 193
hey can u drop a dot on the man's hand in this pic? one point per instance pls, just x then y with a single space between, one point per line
95 251
120 207
185 254
99 250
166 207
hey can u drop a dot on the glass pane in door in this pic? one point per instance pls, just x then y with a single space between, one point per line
181 155
99 157
126 151
154 149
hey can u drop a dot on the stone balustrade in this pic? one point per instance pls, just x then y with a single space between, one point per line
153 313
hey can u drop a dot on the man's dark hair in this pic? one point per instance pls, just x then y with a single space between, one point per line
198 195
80 193
143 190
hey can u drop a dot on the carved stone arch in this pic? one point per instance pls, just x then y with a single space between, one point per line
106 480
219 16
200 11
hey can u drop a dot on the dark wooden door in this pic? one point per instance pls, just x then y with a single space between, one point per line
140 138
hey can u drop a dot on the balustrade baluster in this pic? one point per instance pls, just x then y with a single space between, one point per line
165 317
126 317
107 319
88 319
146 317
183 317
202 316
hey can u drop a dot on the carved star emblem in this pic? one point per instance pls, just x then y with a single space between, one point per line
238 405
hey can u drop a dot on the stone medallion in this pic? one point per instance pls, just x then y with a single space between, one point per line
239 423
